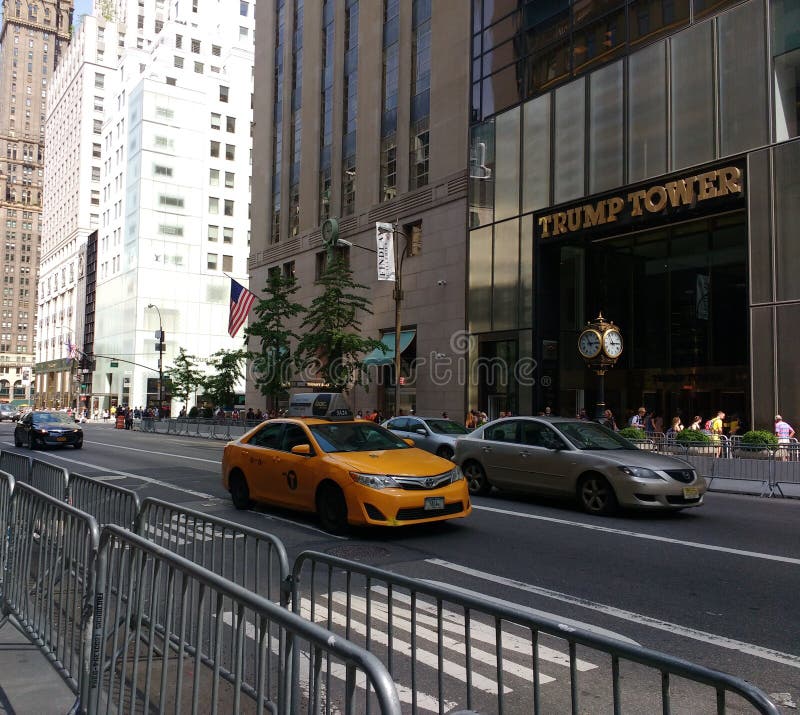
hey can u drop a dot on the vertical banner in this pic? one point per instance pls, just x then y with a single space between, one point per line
384 235
702 301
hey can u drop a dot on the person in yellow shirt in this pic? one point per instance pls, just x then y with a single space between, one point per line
716 430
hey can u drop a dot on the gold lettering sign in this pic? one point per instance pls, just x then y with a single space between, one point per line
654 199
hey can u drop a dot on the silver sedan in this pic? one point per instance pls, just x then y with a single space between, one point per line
433 434
564 457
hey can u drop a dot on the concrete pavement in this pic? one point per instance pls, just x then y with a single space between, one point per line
29 684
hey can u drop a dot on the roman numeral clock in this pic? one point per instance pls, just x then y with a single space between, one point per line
600 346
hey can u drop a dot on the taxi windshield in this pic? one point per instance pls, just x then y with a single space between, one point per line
355 437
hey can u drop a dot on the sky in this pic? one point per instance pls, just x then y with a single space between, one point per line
82 7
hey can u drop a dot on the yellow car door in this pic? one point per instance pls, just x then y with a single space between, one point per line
260 461
298 470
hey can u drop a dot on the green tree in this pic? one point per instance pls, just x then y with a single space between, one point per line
272 363
184 375
227 371
332 343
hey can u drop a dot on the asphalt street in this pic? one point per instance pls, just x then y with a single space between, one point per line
716 585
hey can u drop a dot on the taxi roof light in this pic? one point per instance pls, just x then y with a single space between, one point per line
321 405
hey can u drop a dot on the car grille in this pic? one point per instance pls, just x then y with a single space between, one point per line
416 483
422 513
681 475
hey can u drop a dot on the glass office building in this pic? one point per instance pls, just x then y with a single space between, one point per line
638 158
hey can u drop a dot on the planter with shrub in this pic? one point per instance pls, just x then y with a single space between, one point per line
694 442
757 444
638 437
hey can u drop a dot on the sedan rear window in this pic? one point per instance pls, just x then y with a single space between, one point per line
355 437
446 427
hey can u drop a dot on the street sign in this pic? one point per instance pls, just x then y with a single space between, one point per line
114 363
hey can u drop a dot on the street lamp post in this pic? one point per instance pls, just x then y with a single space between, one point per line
398 299
160 338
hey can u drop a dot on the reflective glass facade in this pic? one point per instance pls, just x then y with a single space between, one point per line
601 177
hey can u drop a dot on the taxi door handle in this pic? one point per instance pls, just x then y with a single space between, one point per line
487 449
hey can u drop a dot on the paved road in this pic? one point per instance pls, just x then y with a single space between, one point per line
717 585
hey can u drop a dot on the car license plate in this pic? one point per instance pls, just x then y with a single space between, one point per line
691 493
434 503
61 439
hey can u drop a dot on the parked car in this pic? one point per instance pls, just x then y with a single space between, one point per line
433 434
567 457
40 429
347 471
8 412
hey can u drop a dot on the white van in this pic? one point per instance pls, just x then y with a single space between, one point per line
323 405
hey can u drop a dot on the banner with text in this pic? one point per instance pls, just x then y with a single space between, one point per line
384 235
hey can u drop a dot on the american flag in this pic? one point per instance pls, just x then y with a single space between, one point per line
241 302
72 350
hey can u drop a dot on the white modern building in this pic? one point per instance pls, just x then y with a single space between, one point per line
174 195
71 211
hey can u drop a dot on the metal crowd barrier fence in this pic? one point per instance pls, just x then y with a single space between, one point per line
16 464
107 503
212 428
250 558
172 636
450 649
50 479
7 483
49 579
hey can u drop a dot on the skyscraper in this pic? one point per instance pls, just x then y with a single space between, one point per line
32 38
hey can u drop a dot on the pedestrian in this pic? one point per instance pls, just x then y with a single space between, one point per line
784 432
608 420
472 420
674 428
637 420
697 421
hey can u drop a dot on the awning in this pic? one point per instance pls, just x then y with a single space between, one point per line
377 357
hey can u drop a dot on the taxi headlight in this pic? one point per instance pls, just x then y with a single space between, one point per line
641 473
375 481
456 475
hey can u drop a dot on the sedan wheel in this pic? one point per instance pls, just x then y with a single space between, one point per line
445 451
477 483
240 494
596 496
332 509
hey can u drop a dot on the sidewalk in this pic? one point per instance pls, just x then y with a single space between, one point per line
29 684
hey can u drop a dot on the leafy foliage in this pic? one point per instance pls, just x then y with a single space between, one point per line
227 367
692 436
759 438
332 342
632 433
184 376
272 363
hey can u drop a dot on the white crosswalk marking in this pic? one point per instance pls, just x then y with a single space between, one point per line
454 622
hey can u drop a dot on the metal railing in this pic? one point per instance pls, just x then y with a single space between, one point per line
451 649
156 648
107 503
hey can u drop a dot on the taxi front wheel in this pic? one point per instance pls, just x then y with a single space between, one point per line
332 509
240 494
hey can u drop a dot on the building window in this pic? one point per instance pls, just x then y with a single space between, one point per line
213 205
159 170
213 177
178 62
198 67
213 233
227 234
388 169
215 149
230 124
228 207
230 152
196 46
174 201
215 120
179 41
419 159
227 263
216 50
211 261
223 93
243 8
229 175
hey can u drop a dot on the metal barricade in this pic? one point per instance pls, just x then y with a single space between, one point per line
450 649
250 558
50 479
107 503
155 648
18 465
7 483
50 579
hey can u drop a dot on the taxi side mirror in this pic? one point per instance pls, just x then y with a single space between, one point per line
302 449
409 442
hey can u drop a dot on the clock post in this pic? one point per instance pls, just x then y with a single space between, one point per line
600 346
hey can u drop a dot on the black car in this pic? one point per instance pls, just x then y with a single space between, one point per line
41 429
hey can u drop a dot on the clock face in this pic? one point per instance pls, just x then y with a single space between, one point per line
612 343
589 343
327 230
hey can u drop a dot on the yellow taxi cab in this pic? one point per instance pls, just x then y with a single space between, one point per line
349 471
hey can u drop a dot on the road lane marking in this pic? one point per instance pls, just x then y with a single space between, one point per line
640 535
149 480
296 523
161 454
775 656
